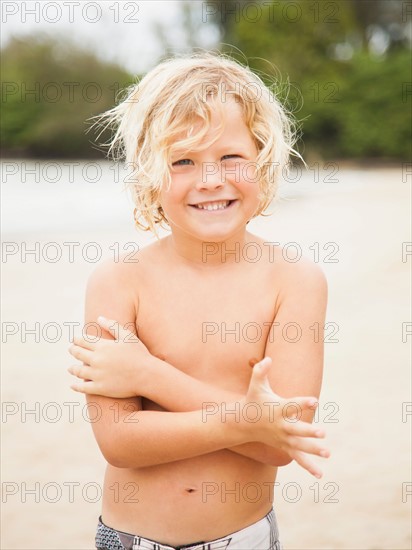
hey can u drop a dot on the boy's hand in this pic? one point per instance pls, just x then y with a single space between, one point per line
110 367
275 421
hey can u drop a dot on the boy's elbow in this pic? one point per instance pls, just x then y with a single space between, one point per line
121 456
115 460
279 458
277 461
119 461
284 461
275 458
113 455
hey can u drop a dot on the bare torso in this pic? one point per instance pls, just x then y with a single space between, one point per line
209 323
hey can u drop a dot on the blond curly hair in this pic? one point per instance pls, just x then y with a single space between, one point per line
148 124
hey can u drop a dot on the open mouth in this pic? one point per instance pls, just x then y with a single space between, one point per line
213 205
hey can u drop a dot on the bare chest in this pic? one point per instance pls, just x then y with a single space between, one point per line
210 329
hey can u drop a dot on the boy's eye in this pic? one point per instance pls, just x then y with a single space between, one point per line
230 156
183 162
188 162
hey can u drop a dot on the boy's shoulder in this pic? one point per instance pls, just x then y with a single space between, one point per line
120 270
301 269
115 285
301 278
292 275
289 264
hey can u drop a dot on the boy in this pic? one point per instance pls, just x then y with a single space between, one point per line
192 435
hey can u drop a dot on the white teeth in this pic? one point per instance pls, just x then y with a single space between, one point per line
213 206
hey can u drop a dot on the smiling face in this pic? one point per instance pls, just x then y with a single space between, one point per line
214 190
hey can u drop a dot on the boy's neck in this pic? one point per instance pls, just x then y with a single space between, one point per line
208 254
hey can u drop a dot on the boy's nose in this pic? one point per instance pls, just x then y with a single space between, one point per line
211 176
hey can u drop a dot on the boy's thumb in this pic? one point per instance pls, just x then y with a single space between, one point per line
261 369
113 327
107 324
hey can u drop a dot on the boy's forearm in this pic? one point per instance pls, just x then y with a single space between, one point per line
165 385
162 376
167 437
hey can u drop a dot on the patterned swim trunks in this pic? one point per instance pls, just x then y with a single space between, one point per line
262 535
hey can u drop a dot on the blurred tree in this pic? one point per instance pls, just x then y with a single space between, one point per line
391 16
389 19
374 112
337 65
49 90
195 30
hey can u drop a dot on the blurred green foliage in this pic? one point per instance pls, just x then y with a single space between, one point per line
49 90
342 68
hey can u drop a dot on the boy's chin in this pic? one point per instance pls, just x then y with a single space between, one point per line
212 233
217 235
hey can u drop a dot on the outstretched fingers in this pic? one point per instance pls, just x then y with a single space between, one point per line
305 443
309 446
86 384
307 464
81 371
293 407
85 387
84 343
303 429
81 354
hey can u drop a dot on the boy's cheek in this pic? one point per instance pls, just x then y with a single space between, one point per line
175 195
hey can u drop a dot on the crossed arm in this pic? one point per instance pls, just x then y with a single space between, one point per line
186 431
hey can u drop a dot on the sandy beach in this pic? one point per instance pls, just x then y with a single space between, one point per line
52 469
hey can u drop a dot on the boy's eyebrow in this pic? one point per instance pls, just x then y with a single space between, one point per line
234 147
